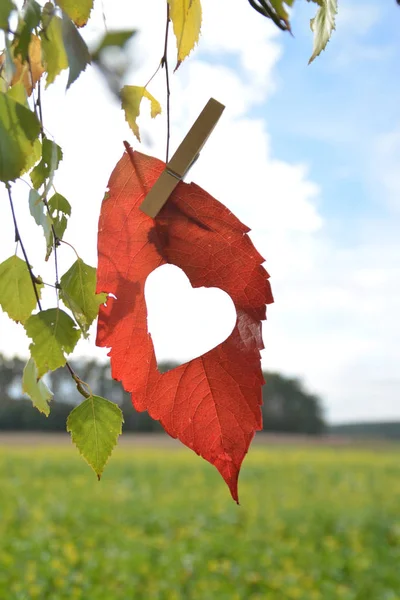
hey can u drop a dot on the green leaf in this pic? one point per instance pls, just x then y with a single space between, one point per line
6 7
95 426
36 389
77 52
28 122
78 287
60 225
77 10
59 207
51 157
54 55
322 25
116 39
132 96
52 332
19 128
42 218
29 22
17 296
60 204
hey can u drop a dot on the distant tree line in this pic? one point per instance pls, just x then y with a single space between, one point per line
389 430
287 406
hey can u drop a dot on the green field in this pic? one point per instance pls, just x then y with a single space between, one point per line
314 523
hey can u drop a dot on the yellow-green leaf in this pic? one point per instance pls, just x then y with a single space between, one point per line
281 12
54 55
132 96
77 10
6 7
186 20
18 92
95 426
17 295
322 25
19 129
78 292
53 333
36 389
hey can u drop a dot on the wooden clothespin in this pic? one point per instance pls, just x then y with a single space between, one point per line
183 158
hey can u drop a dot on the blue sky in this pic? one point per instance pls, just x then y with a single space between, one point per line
307 156
330 113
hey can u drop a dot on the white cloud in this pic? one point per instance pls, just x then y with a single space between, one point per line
343 309
358 19
239 31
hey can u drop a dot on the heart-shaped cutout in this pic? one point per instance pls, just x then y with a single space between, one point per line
185 322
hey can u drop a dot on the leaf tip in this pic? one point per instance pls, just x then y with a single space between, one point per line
234 492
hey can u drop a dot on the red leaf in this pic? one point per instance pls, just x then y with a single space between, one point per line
212 404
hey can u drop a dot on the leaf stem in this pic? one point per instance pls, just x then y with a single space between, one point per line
80 385
154 74
49 284
71 246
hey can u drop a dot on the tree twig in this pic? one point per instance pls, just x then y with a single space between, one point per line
164 64
79 383
19 240
35 102
39 103
44 199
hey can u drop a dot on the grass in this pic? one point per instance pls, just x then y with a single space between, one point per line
314 523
